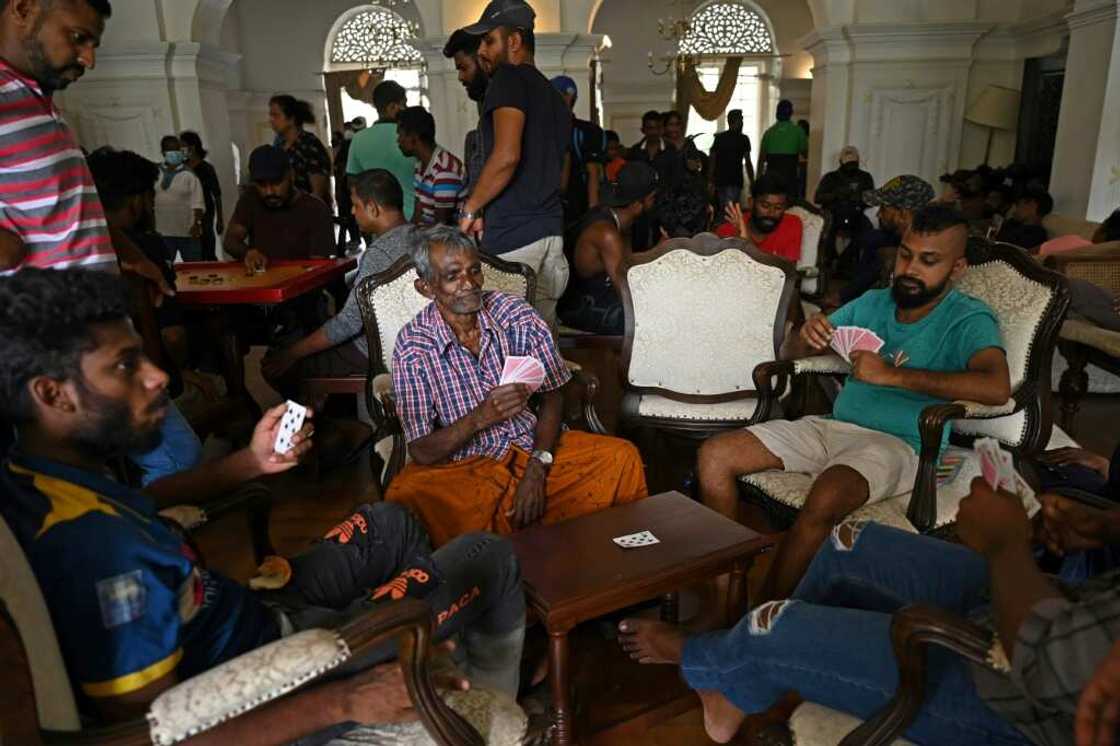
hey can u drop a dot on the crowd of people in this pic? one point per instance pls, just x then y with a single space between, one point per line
88 244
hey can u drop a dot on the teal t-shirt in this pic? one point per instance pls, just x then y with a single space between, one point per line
944 341
785 138
376 147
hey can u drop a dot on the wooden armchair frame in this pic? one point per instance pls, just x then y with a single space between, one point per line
705 245
1031 397
408 620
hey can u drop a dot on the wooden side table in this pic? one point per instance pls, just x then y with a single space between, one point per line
573 572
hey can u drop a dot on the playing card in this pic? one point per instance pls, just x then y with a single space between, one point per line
990 461
867 340
290 424
633 541
521 369
847 339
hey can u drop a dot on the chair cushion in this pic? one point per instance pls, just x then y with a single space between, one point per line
239 685
695 331
497 718
649 405
19 591
960 464
816 725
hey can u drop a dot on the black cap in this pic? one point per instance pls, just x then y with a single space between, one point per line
635 181
268 163
516 13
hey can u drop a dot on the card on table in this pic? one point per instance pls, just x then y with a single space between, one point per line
290 424
633 541
522 369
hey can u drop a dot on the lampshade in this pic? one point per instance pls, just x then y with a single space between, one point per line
996 107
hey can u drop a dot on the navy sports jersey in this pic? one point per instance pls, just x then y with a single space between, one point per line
128 602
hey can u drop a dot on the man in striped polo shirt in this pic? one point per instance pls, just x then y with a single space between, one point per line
440 177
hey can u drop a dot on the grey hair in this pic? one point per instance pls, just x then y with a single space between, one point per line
448 236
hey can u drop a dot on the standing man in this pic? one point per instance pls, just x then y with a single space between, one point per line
730 151
439 177
463 49
586 157
782 147
526 129
650 149
376 146
180 203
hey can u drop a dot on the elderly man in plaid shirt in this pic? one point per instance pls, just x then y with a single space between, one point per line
481 458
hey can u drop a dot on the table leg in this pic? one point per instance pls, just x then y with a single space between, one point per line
670 608
561 688
737 602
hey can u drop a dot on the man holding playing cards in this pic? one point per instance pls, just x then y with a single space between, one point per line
938 345
482 460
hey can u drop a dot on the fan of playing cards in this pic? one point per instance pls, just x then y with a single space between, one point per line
848 339
998 469
526 370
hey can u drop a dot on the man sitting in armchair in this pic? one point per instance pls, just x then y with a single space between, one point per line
940 345
481 458
134 609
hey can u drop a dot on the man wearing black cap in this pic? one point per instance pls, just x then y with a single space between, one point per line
602 252
526 128
274 220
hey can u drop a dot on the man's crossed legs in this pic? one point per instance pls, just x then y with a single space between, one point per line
382 553
831 641
852 465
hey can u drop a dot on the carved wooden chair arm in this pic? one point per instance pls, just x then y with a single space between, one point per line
588 416
912 630
783 370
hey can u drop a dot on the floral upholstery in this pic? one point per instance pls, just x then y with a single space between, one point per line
816 725
19 592
702 323
497 718
739 410
791 489
821 364
239 685
812 226
396 303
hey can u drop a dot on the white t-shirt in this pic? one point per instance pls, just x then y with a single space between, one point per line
175 205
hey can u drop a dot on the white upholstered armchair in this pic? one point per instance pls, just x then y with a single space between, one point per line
815 229
1029 303
701 314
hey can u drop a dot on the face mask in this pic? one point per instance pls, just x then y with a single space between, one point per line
850 167
174 158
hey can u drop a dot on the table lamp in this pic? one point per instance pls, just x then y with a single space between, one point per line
996 108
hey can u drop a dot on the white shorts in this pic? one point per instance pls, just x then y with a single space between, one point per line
812 444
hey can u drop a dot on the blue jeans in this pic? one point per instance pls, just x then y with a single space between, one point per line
178 449
831 641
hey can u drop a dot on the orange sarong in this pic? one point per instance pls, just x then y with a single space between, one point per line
591 472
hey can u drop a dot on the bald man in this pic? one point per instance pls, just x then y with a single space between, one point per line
940 345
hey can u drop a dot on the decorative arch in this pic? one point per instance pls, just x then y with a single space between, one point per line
729 27
372 36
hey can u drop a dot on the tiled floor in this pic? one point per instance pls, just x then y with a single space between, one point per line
305 508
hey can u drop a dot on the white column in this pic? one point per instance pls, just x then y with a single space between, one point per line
1086 173
830 100
570 54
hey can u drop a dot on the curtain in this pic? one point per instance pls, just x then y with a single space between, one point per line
709 104
359 85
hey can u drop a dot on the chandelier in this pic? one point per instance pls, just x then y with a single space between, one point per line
673 29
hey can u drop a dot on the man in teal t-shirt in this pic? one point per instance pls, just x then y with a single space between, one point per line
947 347
376 146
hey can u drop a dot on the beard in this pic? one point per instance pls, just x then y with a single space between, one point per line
109 430
476 88
764 225
273 203
48 76
910 293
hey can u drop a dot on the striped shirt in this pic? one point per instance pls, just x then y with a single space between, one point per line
437 381
440 186
47 194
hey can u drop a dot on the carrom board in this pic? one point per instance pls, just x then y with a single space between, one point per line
227 283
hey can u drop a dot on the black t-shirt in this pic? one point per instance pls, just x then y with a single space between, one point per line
728 151
588 146
529 208
1022 235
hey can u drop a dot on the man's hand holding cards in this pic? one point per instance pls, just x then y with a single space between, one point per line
525 370
848 339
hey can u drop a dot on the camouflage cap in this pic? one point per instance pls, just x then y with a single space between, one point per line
907 192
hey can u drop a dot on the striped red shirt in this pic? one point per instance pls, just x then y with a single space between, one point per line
439 186
47 194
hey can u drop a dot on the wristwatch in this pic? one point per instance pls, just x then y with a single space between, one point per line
464 215
545 457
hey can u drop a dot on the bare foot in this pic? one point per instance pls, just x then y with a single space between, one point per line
721 718
648 641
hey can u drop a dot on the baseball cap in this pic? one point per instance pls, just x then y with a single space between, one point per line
268 163
908 192
635 181
497 13
565 85
849 154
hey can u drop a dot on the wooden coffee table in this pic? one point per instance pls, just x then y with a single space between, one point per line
573 572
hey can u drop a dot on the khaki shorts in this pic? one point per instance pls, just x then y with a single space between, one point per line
812 444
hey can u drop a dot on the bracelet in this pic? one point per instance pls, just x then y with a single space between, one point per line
464 215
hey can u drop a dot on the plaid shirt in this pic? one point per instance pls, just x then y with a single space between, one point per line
437 381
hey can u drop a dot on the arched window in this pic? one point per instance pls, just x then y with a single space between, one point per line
726 28
375 37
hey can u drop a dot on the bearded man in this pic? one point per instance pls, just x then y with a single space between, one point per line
940 345
766 224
